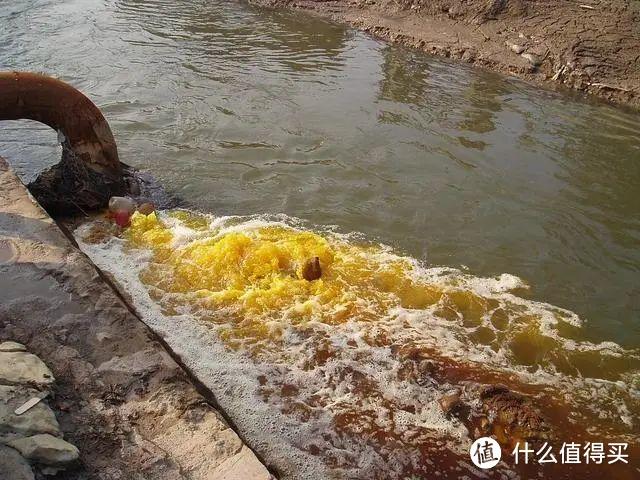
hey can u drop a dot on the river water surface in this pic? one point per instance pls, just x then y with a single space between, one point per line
243 111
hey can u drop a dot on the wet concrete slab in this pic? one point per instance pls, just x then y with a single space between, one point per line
119 395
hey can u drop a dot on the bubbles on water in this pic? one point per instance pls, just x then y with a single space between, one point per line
347 369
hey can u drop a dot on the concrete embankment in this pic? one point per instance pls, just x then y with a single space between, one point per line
114 392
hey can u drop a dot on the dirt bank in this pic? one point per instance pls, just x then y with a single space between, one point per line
592 46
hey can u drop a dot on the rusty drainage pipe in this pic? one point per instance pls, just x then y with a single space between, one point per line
90 171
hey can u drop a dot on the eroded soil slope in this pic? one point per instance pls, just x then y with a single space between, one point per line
591 46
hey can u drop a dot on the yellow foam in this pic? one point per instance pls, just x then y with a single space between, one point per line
258 273
250 282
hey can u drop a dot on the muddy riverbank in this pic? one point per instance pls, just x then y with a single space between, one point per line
590 46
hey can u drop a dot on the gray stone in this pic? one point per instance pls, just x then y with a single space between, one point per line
23 368
9 251
46 449
517 48
13 466
533 59
450 403
12 347
103 336
38 419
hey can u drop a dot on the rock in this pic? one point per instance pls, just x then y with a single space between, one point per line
46 449
103 337
12 347
517 48
468 56
514 417
489 391
450 403
23 368
13 466
38 419
533 59
311 270
9 251
70 187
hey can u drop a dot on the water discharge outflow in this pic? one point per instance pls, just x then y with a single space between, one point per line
347 369
320 122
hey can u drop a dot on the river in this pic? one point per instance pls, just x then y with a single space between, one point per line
245 111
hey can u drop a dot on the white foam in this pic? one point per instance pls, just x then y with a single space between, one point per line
281 438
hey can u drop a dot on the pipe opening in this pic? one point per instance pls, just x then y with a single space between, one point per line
90 171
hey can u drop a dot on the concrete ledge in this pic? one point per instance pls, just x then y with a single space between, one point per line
119 396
